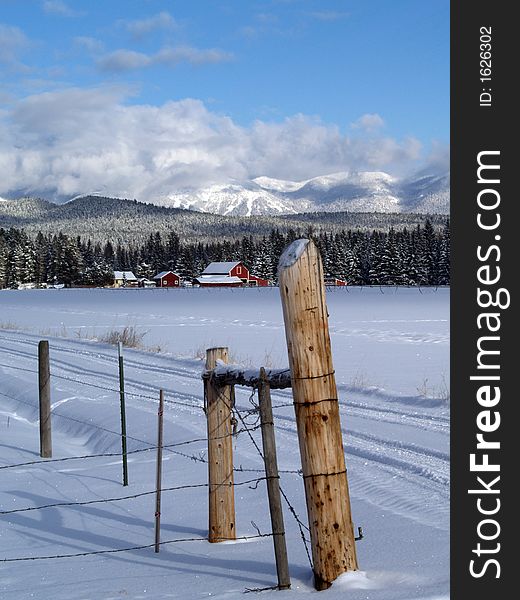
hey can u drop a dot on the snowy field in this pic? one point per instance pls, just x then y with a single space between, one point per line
391 355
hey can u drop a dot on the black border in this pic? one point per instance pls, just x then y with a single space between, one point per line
476 128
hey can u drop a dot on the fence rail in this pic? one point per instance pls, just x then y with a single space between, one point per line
223 375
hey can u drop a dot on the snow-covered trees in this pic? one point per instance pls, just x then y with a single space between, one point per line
418 256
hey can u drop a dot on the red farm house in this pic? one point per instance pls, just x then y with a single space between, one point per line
257 281
167 279
228 274
334 281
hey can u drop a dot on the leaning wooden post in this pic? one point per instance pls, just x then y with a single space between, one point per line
123 412
220 453
158 478
44 388
300 274
273 482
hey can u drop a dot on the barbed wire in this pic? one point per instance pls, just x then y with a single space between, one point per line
246 428
129 497
143 547
18 368
167 447
104 388
118 433
300 523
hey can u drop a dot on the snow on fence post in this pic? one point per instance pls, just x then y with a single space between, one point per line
273 482
218 403
44 388
300 275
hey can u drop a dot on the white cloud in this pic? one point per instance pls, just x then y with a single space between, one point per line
195 56
368 122
142 27
57 7
127 60
123 60
438 159
68 142
12 42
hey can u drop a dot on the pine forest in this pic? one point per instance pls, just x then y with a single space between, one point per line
415 256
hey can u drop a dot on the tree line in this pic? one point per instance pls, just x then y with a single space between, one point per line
415 256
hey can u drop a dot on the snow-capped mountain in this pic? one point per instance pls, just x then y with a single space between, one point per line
359 192
363 191
349 191
240 199
426 193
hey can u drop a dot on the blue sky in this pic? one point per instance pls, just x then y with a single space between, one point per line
333 84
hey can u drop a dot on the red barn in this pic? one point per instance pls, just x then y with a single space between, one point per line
232 274
223 274
255 281
335 281
167 279
228 269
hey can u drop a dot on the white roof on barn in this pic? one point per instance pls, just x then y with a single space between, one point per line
220 268
163 274
128 275
218 279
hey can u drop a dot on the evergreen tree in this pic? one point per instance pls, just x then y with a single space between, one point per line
172 251
420 256
444 255
262 265
4 255
389 263
109 254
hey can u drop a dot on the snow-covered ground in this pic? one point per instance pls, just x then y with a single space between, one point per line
391 359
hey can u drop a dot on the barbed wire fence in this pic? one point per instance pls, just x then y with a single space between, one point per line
246 421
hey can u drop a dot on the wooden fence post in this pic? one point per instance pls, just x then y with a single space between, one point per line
158 479
123 412
300 274
44 388
273 482
220 453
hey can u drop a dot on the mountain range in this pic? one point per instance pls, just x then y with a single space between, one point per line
347 191
129 221
356 191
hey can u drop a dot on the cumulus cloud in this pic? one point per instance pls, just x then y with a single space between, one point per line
369 122
64 143
142 27
126 60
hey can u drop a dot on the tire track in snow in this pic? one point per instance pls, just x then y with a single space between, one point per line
404 477
86 376
379 412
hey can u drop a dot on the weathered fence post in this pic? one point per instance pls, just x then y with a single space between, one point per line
273 482
44 388
302 289
220 453
158 479
123 412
